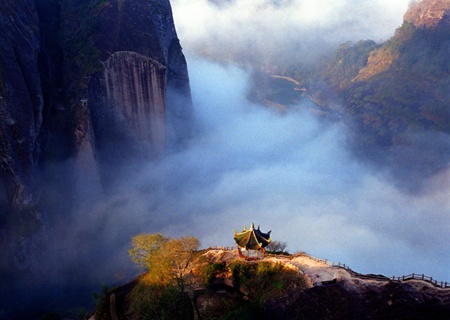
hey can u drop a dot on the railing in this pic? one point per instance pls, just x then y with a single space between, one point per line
221 248
413 276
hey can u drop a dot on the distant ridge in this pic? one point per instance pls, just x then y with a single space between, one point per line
428 13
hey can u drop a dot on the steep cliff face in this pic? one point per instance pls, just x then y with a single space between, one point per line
128 103
20 102
88 91
428 13
119 61
141 94
120 28
396 95
137 84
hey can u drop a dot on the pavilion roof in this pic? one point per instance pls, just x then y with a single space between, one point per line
252 239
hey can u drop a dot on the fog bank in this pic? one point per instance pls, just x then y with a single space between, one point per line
283 31
291 173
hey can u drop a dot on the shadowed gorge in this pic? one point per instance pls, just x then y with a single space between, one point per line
88 91
325 121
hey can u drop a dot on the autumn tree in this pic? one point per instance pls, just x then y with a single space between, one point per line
166 259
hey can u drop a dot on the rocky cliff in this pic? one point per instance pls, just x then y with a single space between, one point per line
21 102
428 13
110 73
88 91
394 95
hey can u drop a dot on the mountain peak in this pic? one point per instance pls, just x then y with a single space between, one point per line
428 13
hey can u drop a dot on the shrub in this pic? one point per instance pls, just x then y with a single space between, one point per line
263 280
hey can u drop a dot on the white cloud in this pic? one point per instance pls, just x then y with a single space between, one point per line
297 29
288 172
293 174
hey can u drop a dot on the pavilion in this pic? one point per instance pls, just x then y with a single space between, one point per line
252 242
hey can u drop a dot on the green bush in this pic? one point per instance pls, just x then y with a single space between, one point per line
263 280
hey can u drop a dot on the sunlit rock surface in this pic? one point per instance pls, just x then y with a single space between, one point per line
428 13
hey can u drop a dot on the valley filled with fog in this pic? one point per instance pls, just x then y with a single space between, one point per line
86 166
291 172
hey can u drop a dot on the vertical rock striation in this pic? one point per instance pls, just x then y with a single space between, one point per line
140 100
119 61
136 86
89 90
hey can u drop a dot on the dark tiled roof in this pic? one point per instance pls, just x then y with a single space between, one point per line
252 239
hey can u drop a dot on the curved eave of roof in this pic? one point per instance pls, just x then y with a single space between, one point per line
251 239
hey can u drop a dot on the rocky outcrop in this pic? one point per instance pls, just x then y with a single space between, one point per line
390 300
20 102
137 85
113 68
327 293
128 103
89 90
428 13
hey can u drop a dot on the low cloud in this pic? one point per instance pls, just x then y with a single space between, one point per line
289 172
292 173
289 31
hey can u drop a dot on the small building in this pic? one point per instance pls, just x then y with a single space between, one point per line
252 242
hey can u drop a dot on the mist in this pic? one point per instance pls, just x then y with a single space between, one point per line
283 31
291 173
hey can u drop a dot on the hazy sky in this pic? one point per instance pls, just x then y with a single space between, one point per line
288 29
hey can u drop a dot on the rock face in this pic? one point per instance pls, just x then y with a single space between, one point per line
128 98
136 84
21 103
428 13
144 79
89 90
395 93
108 77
